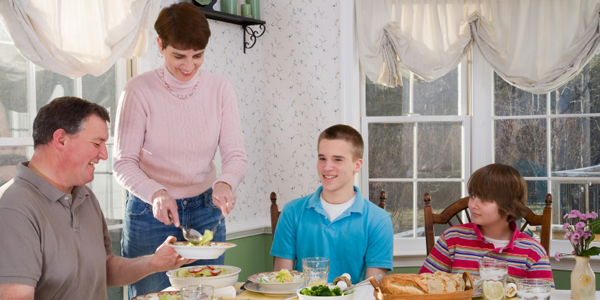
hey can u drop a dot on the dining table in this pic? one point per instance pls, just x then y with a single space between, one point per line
366 293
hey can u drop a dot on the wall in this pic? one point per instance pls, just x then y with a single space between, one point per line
288 89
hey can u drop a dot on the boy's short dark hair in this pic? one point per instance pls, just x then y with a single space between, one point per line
346 133
182 26
67 113
504 185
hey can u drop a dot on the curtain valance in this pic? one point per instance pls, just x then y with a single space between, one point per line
78 37
536 45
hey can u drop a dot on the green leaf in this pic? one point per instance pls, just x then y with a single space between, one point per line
591 252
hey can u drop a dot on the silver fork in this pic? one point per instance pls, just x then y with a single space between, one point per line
214 230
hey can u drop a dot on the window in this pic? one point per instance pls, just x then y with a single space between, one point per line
25 89
418 138
421 138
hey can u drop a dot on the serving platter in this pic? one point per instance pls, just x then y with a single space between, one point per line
467 294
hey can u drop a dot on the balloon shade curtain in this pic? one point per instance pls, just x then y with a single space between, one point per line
536 45
79 37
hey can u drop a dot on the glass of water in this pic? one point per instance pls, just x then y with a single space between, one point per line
316 270
533 289
493 275
197 292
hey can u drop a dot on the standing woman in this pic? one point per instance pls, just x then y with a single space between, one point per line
170 122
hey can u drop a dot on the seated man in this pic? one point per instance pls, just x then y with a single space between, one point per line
54 239
336 221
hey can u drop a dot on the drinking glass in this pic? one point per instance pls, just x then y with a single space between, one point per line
493 275
316 270
197 292
533 289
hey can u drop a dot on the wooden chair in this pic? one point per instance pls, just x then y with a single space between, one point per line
275 210
455 209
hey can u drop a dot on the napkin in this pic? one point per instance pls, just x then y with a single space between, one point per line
225 292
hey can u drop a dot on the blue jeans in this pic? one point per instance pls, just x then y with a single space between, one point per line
142 234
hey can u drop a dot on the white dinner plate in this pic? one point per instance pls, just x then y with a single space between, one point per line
211 251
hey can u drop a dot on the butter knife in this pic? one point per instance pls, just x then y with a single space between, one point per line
242 288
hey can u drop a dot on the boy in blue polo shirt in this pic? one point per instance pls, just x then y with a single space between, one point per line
336 221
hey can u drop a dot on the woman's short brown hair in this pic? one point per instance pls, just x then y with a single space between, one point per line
183 26
504 185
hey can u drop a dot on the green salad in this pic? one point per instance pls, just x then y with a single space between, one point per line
169 297
201 271
323 290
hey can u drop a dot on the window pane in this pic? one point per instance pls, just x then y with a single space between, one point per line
511 101
438 97
14 115
387 101
522 144
399 204
102 90
50 85
109 192
583 196
439 150
442 195
582 93
575 145
391 150
9 158
536 195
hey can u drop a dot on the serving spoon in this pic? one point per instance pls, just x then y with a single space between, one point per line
191 235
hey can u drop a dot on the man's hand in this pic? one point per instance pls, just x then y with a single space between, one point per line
166 258
163 205
223 197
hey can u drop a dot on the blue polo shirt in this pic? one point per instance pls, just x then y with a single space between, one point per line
361 237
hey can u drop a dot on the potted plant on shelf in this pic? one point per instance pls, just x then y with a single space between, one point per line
583 279
207 4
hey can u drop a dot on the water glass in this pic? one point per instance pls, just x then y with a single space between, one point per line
316 270
197 292
533 289
493 275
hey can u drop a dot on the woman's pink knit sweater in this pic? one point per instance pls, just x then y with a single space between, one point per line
163 142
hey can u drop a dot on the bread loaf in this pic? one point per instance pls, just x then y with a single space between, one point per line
427 283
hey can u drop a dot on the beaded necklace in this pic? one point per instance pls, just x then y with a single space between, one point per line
162 78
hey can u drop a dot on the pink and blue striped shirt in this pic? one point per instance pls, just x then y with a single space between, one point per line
461 247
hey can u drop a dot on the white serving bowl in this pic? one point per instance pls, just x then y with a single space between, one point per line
344 297
282 287
216 281
211 251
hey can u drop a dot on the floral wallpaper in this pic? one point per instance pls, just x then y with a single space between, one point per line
288 89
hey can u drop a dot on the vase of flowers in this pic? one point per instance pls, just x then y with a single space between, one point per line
581 234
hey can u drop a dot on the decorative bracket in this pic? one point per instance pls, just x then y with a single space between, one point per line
253 36
239 20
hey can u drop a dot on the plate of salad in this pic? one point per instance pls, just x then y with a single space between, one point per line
171 295
211 250
284 281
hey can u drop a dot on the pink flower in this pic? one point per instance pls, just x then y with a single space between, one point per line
575 238
568 234
573 214
558 256
579 225
586 235
593 215
579 232
566 226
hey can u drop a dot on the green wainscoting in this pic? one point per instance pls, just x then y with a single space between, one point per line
252 255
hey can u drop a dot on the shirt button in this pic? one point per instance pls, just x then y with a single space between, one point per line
67 198
184 202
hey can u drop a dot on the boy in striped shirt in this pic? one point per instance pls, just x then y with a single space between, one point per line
498 198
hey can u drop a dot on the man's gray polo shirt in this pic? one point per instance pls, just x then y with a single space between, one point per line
53 241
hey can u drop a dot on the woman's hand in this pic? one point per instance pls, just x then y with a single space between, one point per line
224 197
163 205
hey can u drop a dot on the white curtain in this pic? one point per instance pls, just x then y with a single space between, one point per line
536 45
79 37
